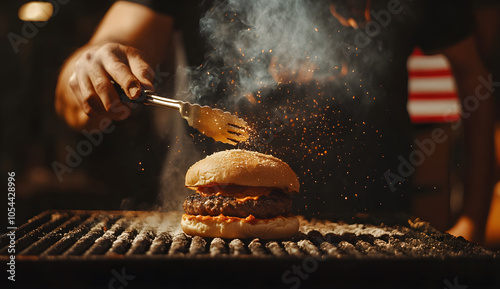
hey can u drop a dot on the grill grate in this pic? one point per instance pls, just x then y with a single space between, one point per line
89 247
86 233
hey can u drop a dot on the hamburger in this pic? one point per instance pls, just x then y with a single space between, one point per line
240 194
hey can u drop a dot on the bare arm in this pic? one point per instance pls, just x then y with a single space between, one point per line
130 39
487 26
478 122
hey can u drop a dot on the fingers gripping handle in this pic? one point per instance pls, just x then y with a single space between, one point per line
124 98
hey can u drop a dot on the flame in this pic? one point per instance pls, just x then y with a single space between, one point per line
367 10
351 22
340 18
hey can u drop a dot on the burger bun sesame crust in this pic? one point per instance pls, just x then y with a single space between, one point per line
243 168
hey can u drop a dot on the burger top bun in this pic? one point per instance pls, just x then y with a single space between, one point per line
243 168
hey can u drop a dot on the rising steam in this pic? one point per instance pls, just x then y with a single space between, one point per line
262 43
299 58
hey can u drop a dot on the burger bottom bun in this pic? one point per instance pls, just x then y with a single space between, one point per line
207 226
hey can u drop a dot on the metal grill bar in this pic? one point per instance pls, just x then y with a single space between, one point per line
275 249
27 227
330 250
70 238
237 247
124 241
142 242
34 235
44 243
94 248
217 247
161 244
293 249
80 233
197 246
89 238
103 243
179 244
257 248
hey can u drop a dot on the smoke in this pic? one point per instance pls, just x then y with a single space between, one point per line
165 222
254 45
261 43
294 60
181 155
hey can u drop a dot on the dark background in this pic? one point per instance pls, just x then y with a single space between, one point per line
119 173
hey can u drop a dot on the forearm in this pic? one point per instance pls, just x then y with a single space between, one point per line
478 123
130 39
479 148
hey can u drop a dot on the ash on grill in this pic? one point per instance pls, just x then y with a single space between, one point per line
87 233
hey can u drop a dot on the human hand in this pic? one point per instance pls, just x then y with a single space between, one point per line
91 86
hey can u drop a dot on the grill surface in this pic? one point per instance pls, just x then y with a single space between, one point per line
400 250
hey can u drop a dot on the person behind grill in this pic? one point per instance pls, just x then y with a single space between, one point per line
347 145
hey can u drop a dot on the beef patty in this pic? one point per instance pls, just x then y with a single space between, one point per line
265 207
